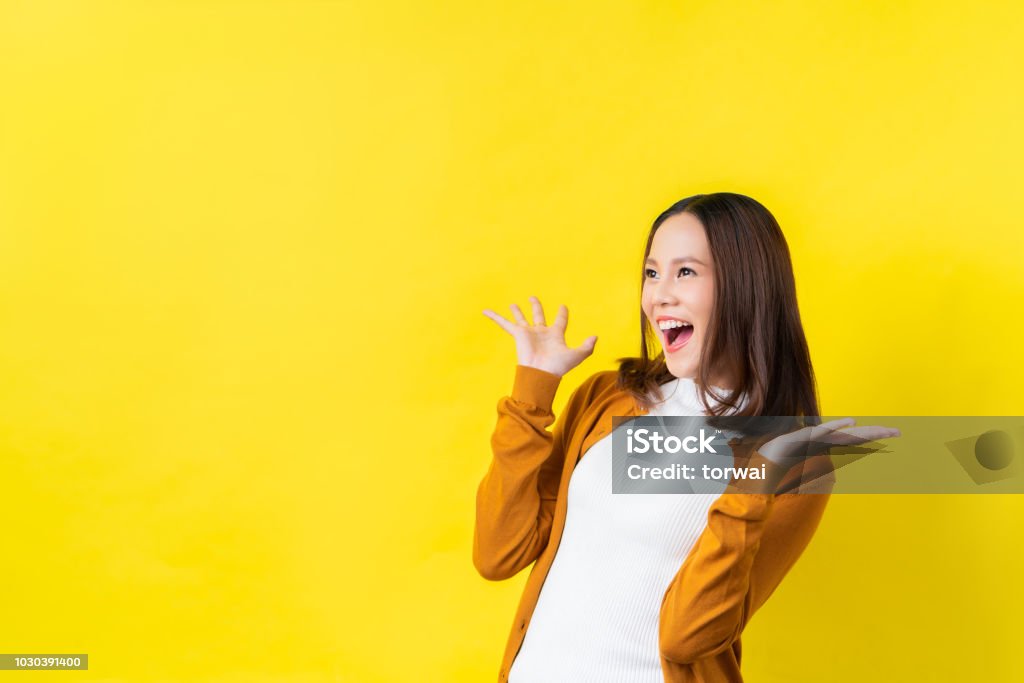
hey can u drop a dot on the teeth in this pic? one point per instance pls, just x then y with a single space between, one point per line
670 324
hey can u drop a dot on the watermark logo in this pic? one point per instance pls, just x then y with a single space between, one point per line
988 457
650 441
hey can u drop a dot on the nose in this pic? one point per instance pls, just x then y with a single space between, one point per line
663 293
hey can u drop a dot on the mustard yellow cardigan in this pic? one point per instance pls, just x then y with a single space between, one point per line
749 544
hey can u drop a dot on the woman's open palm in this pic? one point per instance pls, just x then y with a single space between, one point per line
540 345
789 449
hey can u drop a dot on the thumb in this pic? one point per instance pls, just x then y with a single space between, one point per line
589 343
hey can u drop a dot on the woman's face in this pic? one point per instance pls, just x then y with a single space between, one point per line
679 287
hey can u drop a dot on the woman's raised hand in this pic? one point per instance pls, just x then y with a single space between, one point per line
789 449
540 345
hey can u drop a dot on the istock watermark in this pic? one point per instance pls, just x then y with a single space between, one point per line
652 441
841 454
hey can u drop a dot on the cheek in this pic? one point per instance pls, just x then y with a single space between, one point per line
706 302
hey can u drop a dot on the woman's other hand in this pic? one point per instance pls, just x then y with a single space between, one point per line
789 449
540 345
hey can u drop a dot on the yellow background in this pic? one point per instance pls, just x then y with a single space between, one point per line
247 388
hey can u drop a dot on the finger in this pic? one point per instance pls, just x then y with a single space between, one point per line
856 435
587 347
505 324
562 319
875 431
518 313
817 432
538 311
837 424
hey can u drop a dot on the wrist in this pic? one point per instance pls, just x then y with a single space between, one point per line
549 368
535 386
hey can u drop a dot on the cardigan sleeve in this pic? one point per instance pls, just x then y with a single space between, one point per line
515 501
750 543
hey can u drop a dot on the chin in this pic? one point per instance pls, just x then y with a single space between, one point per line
680 369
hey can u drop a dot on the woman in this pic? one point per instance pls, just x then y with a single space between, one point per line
656 587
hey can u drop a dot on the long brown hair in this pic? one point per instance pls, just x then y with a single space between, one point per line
755 330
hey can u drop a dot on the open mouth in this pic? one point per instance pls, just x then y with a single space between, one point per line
676 334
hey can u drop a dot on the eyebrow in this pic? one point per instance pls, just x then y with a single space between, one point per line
681 259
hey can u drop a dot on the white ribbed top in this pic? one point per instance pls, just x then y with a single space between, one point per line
596 617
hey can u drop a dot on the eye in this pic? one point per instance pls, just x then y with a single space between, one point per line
649 272
684 269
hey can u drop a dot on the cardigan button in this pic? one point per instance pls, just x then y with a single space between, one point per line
522 624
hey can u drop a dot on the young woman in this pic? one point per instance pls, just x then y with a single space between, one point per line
638 588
